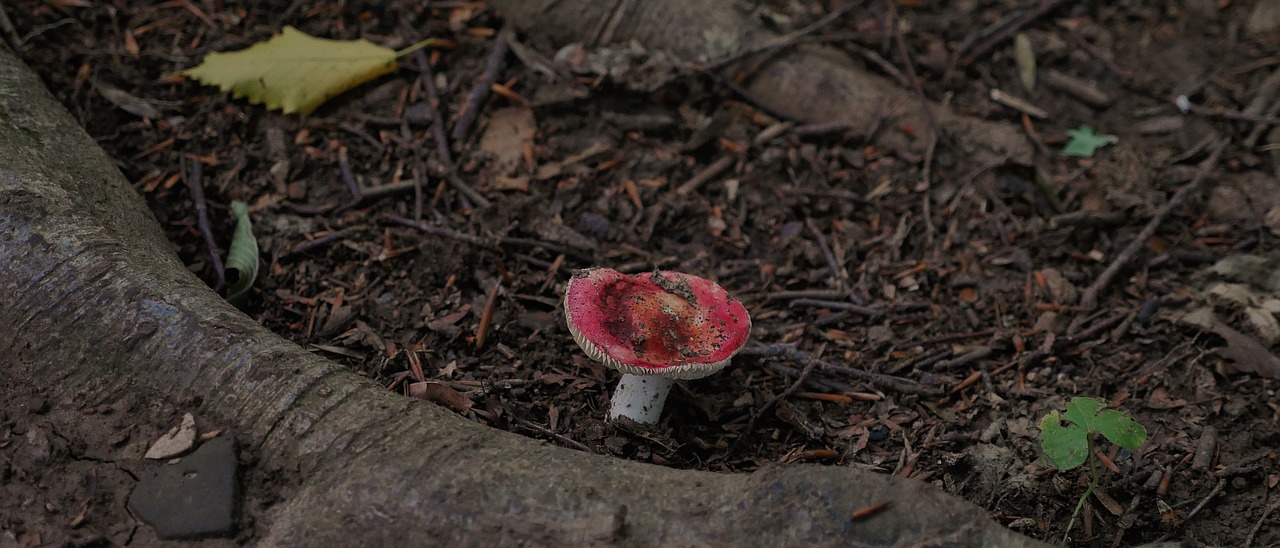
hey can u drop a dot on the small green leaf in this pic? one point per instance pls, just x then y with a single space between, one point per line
1121 430
1082 411
1068 446
1084 142
297 72
242 257
1065 446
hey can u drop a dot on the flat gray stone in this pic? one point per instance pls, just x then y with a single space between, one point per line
195 497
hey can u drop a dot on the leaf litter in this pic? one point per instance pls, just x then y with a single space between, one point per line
941 277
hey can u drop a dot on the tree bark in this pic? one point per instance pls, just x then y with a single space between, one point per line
93 298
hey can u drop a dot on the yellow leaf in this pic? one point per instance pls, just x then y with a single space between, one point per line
296 72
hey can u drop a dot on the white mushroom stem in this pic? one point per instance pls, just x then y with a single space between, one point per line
640 397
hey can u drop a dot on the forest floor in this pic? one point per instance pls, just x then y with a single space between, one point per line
966 289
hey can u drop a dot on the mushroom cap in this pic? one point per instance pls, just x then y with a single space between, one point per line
655 323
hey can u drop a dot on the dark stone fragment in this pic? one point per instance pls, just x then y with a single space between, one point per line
197 497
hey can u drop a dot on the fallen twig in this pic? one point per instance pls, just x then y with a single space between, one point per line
445 168
862 310
1248 541
1212 493
480 91
428 82
841 276
807 294
344 165
195 184
488 242
1228 114
319 242
966 358
790 351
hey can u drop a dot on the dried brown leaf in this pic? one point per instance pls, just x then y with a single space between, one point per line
510 130
1246 354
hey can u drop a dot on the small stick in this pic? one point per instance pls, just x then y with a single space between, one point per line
446 170
705 175
791 352
1017 104
603 33
807 293
480 91
487 242
1089 299
826 384
967 382
319 242
418 195
957 337
415 366
969 357
450 174
834 398
428 82
656 211
1205 448
548 432
1248 541
439 231
345 167
1213 493
486 317
1230 114
385 190
868 511
861 310
196 185
841 282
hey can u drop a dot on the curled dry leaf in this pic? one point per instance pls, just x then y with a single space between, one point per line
1246 354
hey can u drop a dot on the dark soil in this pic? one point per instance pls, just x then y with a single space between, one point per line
958 283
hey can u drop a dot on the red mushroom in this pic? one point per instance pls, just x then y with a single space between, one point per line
654 327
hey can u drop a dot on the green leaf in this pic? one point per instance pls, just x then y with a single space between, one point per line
1082 411
1083 142
242 257
1068 446
1065 446
296 72
1121 430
